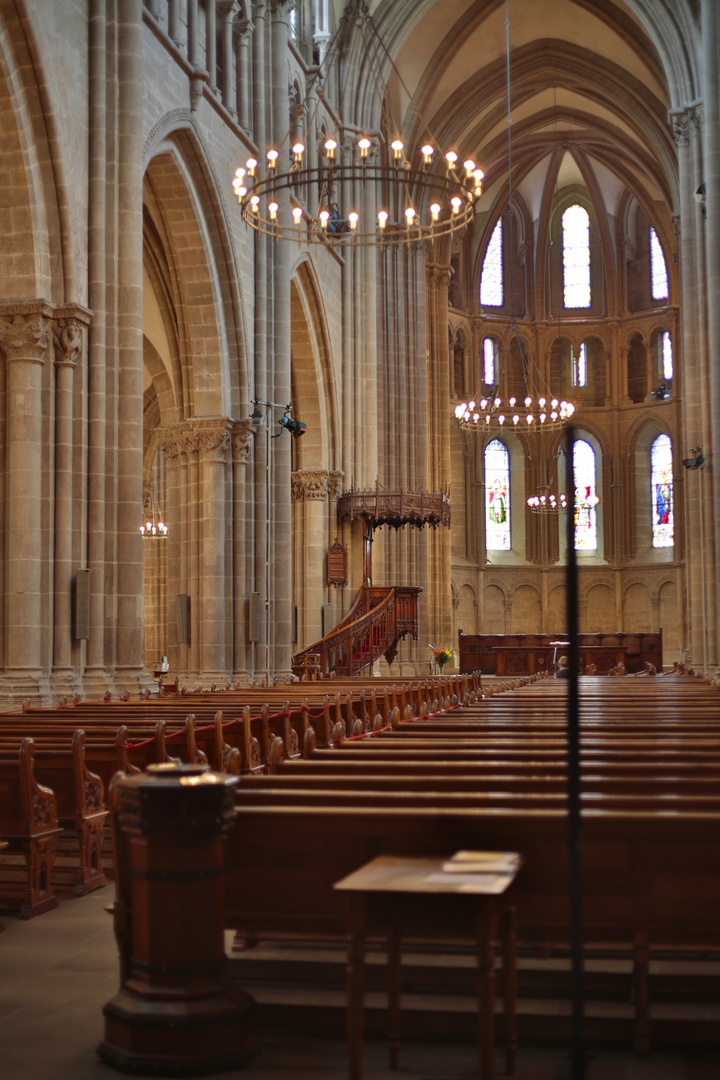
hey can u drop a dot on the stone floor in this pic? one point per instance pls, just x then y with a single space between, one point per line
58 970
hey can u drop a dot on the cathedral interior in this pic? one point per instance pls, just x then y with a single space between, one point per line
172 354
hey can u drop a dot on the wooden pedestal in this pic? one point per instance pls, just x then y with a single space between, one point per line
176 1013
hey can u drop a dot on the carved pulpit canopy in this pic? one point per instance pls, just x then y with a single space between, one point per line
396 508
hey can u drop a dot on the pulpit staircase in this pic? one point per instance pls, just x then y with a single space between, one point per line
376 622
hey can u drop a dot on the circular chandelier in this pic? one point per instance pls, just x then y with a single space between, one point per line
539 411
549 503
530 413
421 193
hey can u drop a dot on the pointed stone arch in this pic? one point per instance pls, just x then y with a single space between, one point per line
316 477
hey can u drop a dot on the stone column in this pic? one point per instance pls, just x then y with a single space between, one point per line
172 441
243 33
263 390
174 23
310 495
280 599
710 22
211 43
192 32
229 11
95 676
695 374
241 436
25 340
437 466
214 445
67 352
129 641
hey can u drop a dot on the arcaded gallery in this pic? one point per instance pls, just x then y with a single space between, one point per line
359 536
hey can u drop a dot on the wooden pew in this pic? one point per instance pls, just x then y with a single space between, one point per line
29 825
81 811
649 881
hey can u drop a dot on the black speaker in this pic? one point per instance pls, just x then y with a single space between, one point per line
82 604
182 608
257 618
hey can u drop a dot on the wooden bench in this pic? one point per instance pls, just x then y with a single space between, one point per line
80 809
648 880
28 822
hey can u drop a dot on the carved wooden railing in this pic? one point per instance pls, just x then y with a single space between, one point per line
376 622
396 508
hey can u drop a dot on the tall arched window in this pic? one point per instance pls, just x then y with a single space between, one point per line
491 280
490 366
579 366
666 355
497 497
576 257
661 492
658 269
586 499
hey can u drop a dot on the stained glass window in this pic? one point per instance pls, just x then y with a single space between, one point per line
491 281
658 269
586 499
579 366
497 497
490 358
576 257
666 355
661 485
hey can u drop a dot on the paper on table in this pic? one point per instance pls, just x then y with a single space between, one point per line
469 881
474 862
484 856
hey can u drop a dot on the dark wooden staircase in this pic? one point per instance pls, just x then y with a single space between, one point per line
376 622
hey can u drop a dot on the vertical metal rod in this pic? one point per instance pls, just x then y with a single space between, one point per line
574 835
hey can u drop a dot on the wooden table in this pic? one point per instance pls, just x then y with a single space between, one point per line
469 897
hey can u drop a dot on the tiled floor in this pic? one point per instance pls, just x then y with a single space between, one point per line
58 970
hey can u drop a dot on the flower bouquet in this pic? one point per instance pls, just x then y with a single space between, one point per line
442 655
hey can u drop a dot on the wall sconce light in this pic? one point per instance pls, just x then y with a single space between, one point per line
697 461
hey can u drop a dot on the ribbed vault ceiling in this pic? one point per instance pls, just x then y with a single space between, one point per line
585 76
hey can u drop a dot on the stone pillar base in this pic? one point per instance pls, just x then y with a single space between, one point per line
18 687
95 683
134 681
64 684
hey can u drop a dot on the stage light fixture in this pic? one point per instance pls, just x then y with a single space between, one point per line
295 427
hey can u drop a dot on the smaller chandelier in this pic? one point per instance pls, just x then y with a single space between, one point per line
543 413
550 503
153 528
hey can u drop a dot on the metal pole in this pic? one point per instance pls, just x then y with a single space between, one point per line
574 836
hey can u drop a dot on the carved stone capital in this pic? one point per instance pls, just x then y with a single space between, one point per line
680 128
439 276
243 31
279 9
172 442
310 485
334 483
25 337
241 436
68 342
212 438
209 438
228 9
